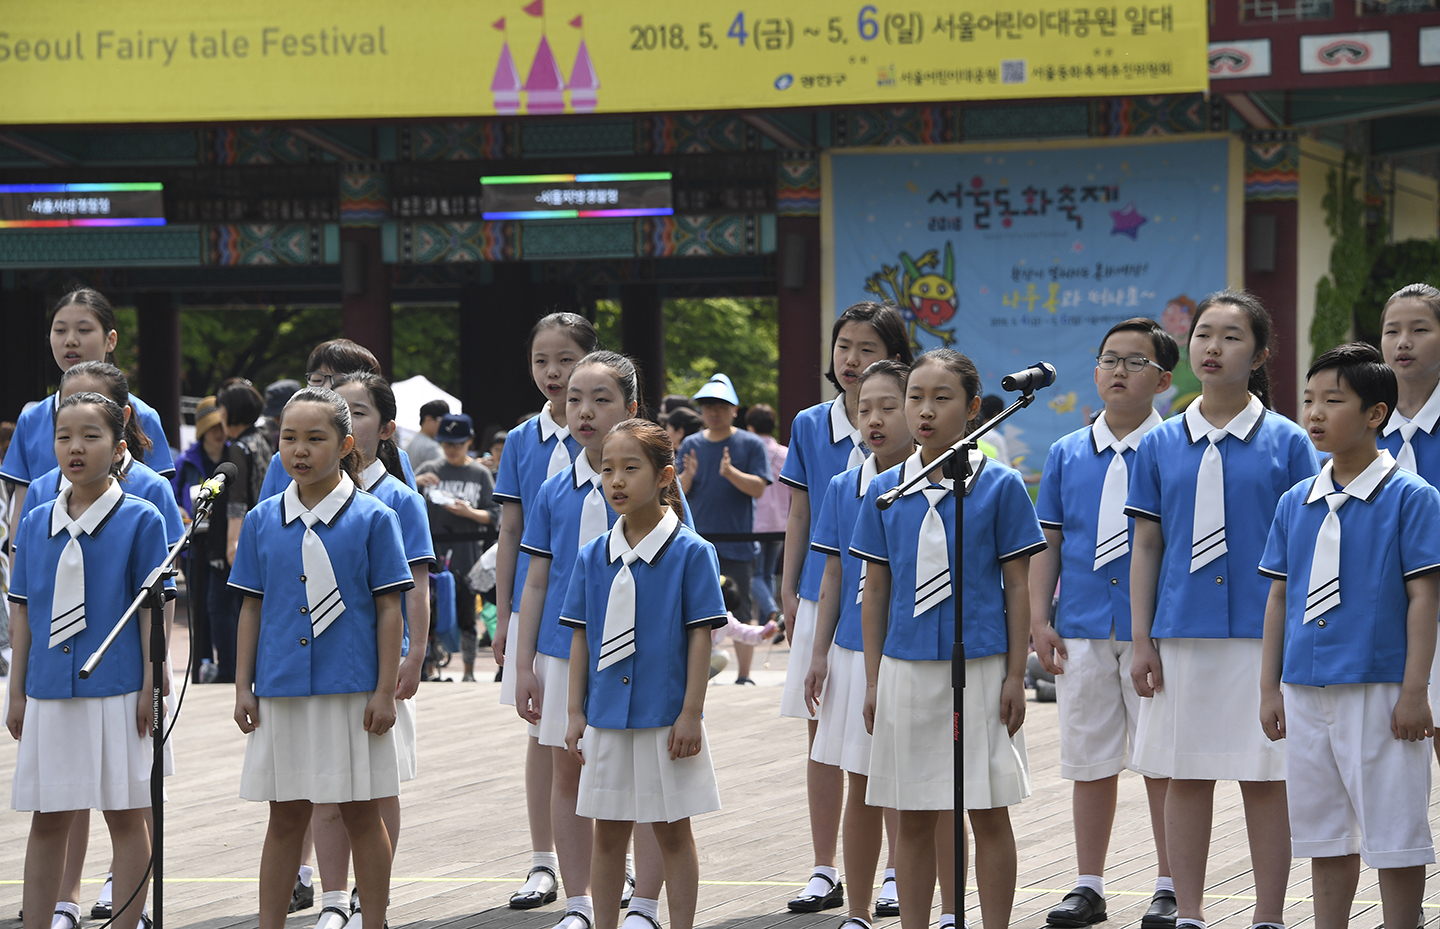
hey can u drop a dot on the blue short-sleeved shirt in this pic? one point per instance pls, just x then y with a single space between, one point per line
1000 525
523 468
1093 603
1388 535
139 481
409 507
552 530
1224 599
1425 443
838 510
820 446
119 552
677 588
719 505
277 478
366 550
32 448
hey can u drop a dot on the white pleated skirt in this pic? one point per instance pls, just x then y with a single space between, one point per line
507 680
406 757
628 776
1204 722
553 675
84 753
802 641
317 749
912 759
840 738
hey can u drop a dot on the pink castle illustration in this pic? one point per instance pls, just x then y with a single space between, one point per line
505 87
545 86
584 84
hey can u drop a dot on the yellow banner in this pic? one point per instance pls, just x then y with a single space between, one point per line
66 61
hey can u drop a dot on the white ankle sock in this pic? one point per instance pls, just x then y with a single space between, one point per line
549 860
340 899
1094 882
583 905
646 906
817 887
948 919
630 866
1164 883
307 875
1186 921
63 907
889 874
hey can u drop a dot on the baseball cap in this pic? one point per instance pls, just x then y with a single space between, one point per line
455 427
276 396
718 388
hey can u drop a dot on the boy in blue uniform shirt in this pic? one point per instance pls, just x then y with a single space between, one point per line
1087 643
1352 640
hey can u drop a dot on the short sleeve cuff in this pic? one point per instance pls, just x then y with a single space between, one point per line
248 590
1281 575
534 552
397 587
505 498
1421 572
571 622
825 549
1025 552
1134 512
791 482
876 559
1052 524
709 622
423 559
16 598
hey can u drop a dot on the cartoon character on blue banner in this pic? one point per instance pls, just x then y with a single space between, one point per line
926 299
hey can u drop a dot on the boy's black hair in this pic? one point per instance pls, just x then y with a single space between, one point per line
761 418
1167 351
433 409
730 593
1362 367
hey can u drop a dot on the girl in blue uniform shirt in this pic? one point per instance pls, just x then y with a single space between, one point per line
825 440
908 621
108 380
642 601
80 560
1203 495
372 423
835 684
322 566
537 449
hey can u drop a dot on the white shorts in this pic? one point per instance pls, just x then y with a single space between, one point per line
840 738
912 758
317 749
628 776
1098 708
82 753
405 754
553 674
802 642
507 680
1204 723
1354 788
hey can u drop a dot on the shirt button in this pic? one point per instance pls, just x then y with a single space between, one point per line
1320 623
302 578
1219 579
304 610
65 649
1114 580
304 641
624 680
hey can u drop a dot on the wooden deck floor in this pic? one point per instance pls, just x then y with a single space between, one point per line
464 845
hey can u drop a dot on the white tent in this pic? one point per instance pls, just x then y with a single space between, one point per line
410 395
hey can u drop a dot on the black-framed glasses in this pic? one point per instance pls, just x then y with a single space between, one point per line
1133 363
319 379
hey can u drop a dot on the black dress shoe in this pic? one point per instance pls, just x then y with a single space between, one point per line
814 903
1161 914
1081 907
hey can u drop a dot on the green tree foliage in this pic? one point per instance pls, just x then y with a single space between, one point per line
1396 265
1351 257
738 337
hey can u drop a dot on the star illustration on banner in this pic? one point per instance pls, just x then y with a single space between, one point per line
1127 221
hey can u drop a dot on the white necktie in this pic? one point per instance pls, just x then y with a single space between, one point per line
1112 529
593 518
1207 536
67 608
1324 590
857 453
322 594
932 555
618 637
1406 458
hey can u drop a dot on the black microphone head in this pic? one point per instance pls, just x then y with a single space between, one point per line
227 470
1049 374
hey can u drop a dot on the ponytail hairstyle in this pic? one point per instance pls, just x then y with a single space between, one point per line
887 323
957 364
656 443
1423 292
620 367
339 412
117 388
114 418
96 304
1260 327
578 328
388 453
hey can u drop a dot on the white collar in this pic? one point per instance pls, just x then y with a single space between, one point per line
651 547
546 422
329 508
1364 487
840 427
1243 427
373 475
94 517
1102 438
1426 419
866 475
584 474
913 465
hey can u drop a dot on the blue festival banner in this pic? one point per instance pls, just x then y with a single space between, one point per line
1015 257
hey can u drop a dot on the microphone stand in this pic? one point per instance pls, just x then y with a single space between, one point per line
955 464
152 597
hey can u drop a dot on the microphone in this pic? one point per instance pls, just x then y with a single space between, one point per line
212 488
1038 375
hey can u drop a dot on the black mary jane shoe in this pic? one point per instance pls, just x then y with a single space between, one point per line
1161 914
1081 907
814 903
530 899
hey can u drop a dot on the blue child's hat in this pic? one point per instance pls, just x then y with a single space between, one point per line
718 388
455 427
